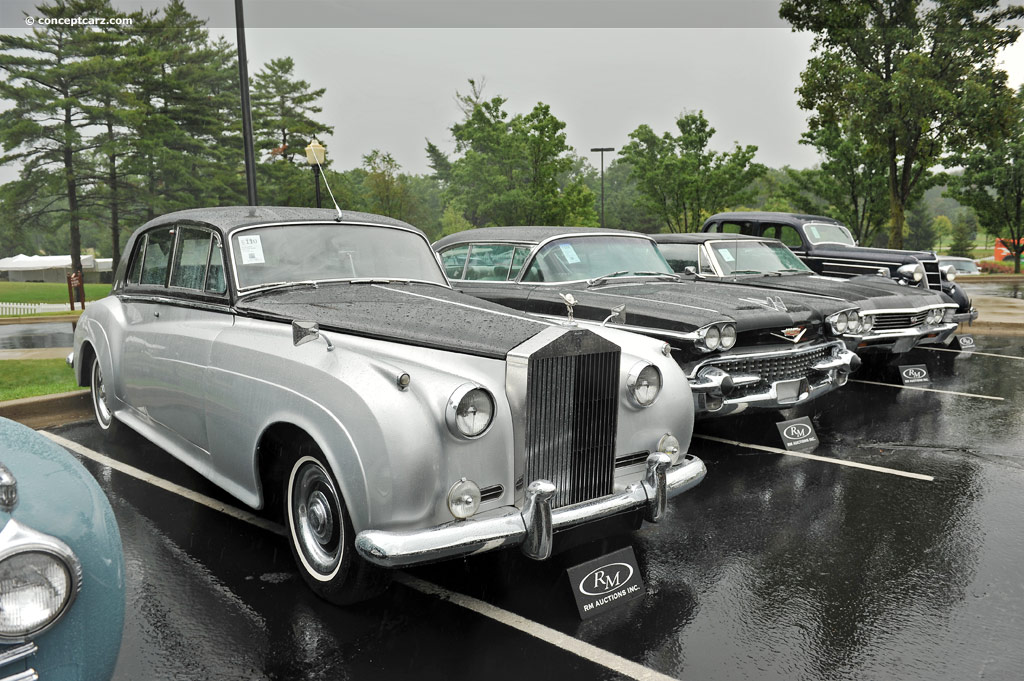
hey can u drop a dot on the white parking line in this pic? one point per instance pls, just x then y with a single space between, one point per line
929 390
569 644
815 457
973 352
619 665
142 475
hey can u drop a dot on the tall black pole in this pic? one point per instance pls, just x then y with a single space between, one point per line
602 150
316 178
243 83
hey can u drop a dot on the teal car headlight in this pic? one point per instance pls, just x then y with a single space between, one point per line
39 580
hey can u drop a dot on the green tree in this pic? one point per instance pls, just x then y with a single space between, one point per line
850 185
283 109
388 189
920 234
511 170
623 205
51 77
680 179
963 239
992 182
942 227
914 78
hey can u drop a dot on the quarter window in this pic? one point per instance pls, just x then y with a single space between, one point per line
454 261
156 258
518 258
489 262
215 281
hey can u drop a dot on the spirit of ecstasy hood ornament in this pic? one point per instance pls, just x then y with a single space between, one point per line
570 303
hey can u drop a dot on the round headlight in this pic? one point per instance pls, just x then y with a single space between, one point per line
728 339
840 322
35 590
463 498
644 383
712 337
854 324
470 411
913 272
949 272
867 322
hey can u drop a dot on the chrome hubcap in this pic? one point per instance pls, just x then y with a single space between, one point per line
316 517
99 396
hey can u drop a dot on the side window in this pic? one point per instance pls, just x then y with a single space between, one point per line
191 258
140 251
518 258
731 228
454 261
159 243
788 235
680 256
489 262
215 281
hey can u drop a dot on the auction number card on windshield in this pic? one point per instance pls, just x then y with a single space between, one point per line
251 249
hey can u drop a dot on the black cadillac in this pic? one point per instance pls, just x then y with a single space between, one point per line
828 248
741 347
894 317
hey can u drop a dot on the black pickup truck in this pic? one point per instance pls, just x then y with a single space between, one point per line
828 248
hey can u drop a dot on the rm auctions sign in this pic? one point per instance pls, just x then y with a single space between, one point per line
798 434
607 582
912 374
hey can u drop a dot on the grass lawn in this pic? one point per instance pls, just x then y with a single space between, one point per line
39 292
31 377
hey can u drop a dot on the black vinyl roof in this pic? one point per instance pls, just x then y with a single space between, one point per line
229 218
791 218
527 235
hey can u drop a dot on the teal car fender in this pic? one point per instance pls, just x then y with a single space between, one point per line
60 545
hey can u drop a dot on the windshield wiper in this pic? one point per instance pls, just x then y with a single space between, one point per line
745 272
672 276
600 280
277 285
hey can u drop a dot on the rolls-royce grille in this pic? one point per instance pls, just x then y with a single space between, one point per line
796 364
888 322
572 411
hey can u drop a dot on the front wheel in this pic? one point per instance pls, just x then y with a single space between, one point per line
105 418
321 535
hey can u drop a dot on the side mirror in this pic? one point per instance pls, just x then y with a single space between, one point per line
306 332
689 269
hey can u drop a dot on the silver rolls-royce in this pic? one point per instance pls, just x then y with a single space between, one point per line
319 364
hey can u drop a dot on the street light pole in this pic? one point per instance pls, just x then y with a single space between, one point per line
243 81
316 156
602 150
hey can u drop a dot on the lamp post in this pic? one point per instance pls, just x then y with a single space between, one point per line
602 150
316 155
243 81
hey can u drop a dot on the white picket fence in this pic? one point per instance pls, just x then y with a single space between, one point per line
34 308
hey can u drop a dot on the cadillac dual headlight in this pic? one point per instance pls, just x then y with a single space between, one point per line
470 411
847 321
36 589
644 383
715 337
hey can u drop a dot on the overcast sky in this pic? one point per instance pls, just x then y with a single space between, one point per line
391 81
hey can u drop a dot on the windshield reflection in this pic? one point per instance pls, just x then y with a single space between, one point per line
596 257
756 257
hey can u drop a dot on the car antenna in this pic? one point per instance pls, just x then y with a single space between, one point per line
328 185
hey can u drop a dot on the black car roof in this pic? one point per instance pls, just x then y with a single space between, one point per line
528 235
701 237
791 218
230 218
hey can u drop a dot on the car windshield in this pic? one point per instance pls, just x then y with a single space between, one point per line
282 254
962 266
820 232
594 257
755 257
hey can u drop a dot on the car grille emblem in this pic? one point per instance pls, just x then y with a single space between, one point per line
793 335
570 303
775 303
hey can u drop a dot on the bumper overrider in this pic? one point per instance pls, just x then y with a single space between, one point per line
719 391
533 526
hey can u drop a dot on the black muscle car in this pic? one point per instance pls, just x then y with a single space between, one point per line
894 317
828 248
740 346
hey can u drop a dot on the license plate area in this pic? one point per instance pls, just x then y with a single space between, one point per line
789 391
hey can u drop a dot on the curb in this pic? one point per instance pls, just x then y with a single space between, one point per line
46 411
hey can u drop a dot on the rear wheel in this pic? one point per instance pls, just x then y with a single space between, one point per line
321 536
105 418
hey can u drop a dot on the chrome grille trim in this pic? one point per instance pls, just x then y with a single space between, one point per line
563 386
931 268
778 365
16 653
890 321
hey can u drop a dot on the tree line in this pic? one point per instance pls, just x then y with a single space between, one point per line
113 127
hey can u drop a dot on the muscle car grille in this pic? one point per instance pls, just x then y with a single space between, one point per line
889 322
931 269
571 411
777 367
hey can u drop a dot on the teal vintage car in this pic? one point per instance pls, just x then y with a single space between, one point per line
62 580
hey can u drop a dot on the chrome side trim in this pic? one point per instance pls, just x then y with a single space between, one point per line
16 653
507 526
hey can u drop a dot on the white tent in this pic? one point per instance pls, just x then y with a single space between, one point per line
53 268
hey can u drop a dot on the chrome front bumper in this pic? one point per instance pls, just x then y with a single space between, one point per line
902 340
711 390
532 527
966 317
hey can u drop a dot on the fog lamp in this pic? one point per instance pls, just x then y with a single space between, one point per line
670 445
463 499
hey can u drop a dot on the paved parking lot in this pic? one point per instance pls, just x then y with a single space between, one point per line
775 567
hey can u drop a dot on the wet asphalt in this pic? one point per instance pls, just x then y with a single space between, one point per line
775 567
